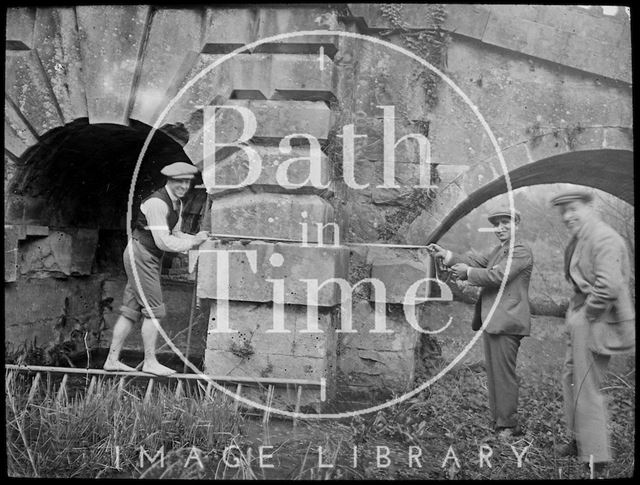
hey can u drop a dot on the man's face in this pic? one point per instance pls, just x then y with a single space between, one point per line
503 227
179 187
574 214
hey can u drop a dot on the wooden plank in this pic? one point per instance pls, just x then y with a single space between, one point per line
147 395
92 385
297 408
237 402
102 372
62 391
34 387
267 412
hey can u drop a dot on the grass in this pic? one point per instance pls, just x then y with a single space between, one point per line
77 438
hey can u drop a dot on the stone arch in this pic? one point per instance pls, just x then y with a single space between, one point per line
610 170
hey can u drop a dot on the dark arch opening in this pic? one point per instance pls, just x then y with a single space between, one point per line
607 170
79 176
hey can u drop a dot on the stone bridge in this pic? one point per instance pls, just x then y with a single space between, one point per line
85 85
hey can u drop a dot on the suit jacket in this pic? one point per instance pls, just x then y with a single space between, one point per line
512 315
599 268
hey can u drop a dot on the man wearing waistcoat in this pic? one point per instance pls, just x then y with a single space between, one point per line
600 322
511 318
155 231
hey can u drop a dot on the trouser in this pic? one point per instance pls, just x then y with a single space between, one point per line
585 405
500 353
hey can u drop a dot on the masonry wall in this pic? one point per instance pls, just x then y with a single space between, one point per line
69 68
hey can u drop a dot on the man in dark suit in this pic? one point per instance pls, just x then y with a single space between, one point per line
505 315
600 322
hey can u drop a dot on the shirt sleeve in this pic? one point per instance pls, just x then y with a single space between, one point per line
156 210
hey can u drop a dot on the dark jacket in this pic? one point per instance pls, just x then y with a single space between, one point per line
512 315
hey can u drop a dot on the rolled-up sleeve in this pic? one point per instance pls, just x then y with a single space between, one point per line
155 210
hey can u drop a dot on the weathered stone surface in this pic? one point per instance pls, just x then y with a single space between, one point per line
549 43
273 121
17 135
467 19
229 29
220 362
172 47
49 310
373 369
61 252
19 34
254 353
10 253
298 176
270 215
27 230
410 16
27 86
58 48
254 323
111 37
273 21
403 339
399 273
298 263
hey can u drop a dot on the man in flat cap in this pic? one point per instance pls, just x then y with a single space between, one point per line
511 318
156 230
600 321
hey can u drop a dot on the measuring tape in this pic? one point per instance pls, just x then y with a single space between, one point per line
237 237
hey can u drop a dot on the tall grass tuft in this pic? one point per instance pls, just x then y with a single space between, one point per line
78 437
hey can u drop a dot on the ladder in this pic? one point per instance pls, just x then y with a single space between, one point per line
95 374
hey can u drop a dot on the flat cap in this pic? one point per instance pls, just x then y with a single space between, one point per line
566 197
180 170
503 212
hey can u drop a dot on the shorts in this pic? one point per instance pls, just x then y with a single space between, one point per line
148 269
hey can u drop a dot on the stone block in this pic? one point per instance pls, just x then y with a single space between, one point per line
411 16
60 252
271 215
110 40
398 273
295 76
253 323
17 134
273 177
254 353
223 363
19 34
403 339
376 369
298 263
172 47
29 230
58 48
28 87
273 21
469 20
274 120
48 310
228 29
10 253
85 242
